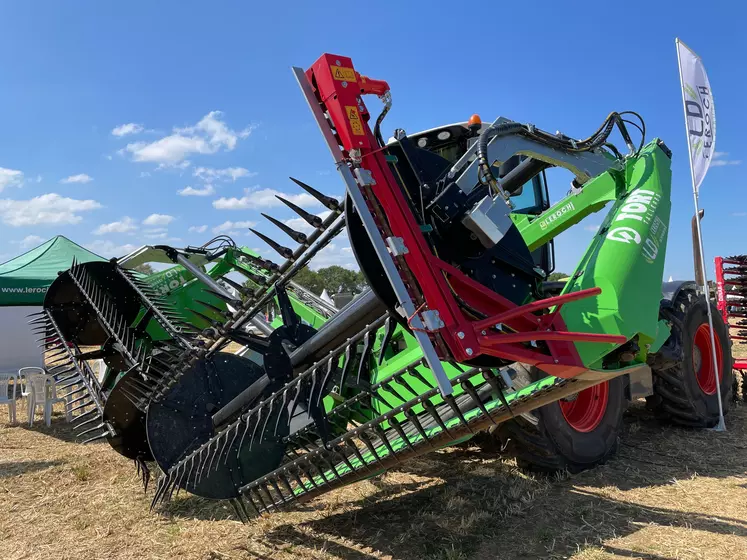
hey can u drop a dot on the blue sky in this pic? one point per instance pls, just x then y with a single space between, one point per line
211 106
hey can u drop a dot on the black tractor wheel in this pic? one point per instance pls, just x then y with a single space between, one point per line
572 434
684 373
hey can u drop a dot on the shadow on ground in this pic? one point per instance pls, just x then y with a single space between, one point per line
481 506
10 469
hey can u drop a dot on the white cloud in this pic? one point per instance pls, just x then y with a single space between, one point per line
207 190
125 129
592 228
107 248
231 227
208 174
263 198
50 209
108 156
79 178
144 174
718 160
739 214
125 225
208 136
158 220
10 178
38 178
198 229
156 230
30 241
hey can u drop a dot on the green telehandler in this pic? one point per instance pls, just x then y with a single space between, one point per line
460 333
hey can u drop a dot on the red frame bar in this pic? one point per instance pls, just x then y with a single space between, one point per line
339 89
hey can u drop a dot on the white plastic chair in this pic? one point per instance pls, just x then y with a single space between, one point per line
10 400
43 392
23 374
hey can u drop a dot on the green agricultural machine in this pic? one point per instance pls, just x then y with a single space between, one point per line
460 334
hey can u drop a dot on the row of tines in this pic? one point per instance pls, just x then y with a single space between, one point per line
73 377
273 274
735 293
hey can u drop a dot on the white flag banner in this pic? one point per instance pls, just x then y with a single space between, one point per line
700 114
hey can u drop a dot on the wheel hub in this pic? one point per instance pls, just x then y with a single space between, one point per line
703 366
586 410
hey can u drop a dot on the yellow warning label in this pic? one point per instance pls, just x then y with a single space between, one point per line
343 74
355 120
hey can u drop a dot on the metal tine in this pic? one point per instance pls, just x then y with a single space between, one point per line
78 418
470 390
307 473
377 395
81 406
449 399
431 409
275 487
331 203
364 437
209 306
417 375
259 498
235 434
348 361
320 470
94 419
389 327
357 453
235 285
256 278
413 418
89 440
492 380
297 236
284 480
251 502
283 404
401 432
297 478
330 367
260 262
210 320
243 518
341 455
400 380
229 300
256 424
385 440
71 393
365 354
88 431
284 252
312 219
323 458
387 386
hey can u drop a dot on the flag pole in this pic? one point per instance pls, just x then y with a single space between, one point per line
721 427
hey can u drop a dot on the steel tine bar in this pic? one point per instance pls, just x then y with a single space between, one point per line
449 399
413 418
470 390
401 432
431 409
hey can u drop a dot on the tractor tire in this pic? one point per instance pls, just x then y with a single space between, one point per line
572 434
684 376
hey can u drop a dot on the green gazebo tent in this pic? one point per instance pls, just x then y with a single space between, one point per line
24 280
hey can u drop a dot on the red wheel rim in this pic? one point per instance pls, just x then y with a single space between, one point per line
586 410
705 373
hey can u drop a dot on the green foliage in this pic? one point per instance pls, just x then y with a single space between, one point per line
332 278
555 276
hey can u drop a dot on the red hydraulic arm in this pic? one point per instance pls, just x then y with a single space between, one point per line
511 331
